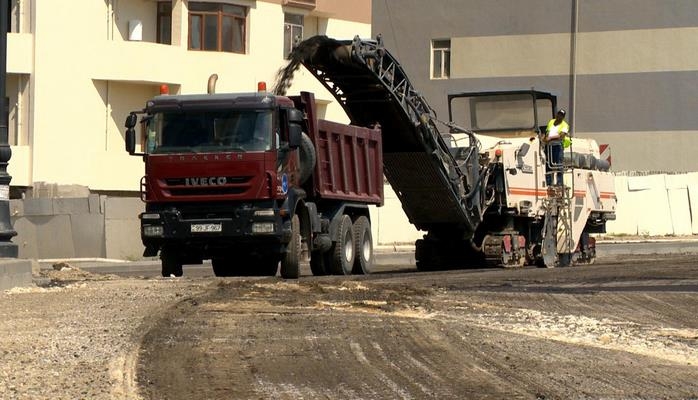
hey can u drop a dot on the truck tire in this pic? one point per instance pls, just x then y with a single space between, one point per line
290 263
363 246
343 251
171 263
307 158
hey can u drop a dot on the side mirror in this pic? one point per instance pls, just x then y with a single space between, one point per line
295 115
131 120
294 135
131 139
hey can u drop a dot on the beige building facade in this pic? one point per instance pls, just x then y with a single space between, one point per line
75 71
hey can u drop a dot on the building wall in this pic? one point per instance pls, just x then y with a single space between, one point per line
83 77
627 78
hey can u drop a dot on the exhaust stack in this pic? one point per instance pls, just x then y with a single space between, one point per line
212 83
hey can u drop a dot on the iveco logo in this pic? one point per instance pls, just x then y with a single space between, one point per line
214 180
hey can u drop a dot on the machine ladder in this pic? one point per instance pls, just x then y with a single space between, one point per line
560 227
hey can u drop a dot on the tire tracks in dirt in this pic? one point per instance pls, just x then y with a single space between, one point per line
412 337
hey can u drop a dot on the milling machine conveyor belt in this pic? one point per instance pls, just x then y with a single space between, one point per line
373 89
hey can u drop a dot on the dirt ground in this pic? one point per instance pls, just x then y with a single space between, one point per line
622 330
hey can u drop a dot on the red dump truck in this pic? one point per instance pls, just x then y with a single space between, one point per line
251 180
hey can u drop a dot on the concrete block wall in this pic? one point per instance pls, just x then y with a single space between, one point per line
656 205
122 229
15 273
58 227
84 227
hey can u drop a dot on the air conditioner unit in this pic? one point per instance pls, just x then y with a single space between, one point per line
135 30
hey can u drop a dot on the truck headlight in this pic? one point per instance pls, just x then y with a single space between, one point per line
267 212
153 230
263 227
150 216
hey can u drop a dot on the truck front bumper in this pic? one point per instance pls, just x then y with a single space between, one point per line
249 227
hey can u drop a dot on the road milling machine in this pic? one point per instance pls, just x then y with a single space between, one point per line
479 190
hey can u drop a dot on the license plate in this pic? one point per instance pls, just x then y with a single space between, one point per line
206 228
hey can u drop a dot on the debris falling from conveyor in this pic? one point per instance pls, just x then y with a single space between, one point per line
318 50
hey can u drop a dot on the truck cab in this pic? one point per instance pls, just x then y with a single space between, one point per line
218 169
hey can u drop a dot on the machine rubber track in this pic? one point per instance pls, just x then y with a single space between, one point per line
436 192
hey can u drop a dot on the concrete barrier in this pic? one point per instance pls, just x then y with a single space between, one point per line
656 205
15 273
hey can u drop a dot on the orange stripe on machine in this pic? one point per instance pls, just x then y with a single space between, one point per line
527 192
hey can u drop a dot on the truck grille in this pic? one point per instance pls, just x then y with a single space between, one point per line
233 185
206 191
229 180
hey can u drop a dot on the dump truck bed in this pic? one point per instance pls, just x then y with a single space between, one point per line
349 163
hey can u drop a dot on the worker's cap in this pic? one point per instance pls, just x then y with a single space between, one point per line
561 111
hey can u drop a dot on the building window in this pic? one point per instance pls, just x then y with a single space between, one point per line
293 31
440 59
217 27
164 22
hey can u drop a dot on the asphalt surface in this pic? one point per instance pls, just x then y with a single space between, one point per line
624 328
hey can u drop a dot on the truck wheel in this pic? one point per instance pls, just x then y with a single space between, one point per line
171 263
363 246
290 264
307 158
343 252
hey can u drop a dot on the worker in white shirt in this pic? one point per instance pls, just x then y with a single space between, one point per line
556 133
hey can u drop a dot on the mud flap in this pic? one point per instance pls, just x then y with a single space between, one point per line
151 251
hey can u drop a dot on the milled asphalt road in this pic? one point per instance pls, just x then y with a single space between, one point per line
388 258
